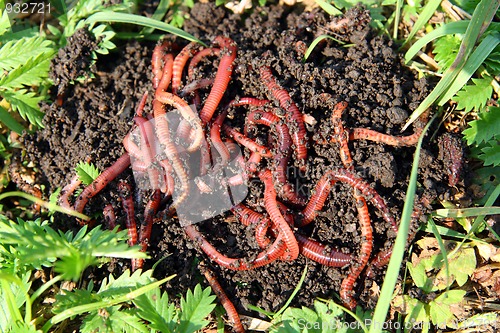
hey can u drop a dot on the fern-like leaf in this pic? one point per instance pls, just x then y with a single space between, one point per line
31 73
155 308
26 103
492 63
445 50
474 96
87 172
17 52
485 128
195 308
113 320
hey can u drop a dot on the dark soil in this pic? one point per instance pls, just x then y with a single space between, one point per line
369 74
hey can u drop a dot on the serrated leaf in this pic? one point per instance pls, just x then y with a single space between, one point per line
87 172
461 265
155 308
17 52
4 22
445 51
26 104
195 308
474 96
112 320
125 282
32 73
491 153
485 128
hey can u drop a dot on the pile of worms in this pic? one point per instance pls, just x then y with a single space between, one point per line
157 155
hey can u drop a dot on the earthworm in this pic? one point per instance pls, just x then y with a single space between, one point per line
282 155
222 78
452 153
195 85
252 101
128 206
166 77
109 216
142 104
265 257
100 182
224 300
172 155
157 67
169 179
246 215
147 224
398 141
347 286
341 135
216 139
213 51
320 253
244 141
179 63
68 190
146 133
252 164
185 111
275 215
293 116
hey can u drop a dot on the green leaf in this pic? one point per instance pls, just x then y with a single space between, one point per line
10 122
329 8
195 308
31 73
445 51
112 320
440 310
474 96
423 17
16 53
491 153
485 128
155 308
315 42
26 104
87 172
462 265
4 22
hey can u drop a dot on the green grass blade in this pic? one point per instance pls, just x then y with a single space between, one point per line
423 18
159 14
443 250
481 18
107 16
49 205
476 59
397 18
392 274
10 122
295 291
465 212
315 42
327 7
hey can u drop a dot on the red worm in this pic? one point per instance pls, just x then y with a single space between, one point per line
246 215
276 216
68 190
322 254
398 141
166 77
213 51
109 216
265 257
282 155
142 104
146 133
252 101
179 63
147 224
341 135
156 63
100 182
452 153
380 260
244 141
222 78
253 162
186 112
163 133
216 139
169 179
128 206
346 289
293 116
224 300
195 85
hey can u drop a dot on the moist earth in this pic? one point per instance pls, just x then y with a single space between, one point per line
92 113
